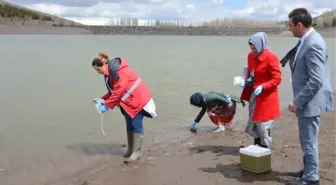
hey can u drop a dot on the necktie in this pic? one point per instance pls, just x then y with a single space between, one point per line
290 55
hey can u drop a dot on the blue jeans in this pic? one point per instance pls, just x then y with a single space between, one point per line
308 132
135 125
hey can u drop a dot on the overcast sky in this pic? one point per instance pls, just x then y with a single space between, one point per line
101 11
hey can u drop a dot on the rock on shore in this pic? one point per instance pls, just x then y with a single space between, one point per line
202 31
41 29
147 30
136 30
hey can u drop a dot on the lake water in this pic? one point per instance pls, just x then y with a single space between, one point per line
49 128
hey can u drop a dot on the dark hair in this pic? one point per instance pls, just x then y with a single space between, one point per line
98 62
301 15
196 99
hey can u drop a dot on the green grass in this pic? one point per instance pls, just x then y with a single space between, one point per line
7 12
11 13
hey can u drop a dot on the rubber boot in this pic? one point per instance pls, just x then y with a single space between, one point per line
129 144
257 141
264 146
137 147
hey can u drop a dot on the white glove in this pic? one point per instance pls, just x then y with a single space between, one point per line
239 81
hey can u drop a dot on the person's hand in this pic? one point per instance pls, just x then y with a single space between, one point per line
283 62
103 108
192 125
98 100
243 103
258 90
228 100
193 128
242 84
100 105
292 107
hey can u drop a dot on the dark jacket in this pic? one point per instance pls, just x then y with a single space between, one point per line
215 98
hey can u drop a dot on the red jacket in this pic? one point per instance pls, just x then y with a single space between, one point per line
266 73
136 101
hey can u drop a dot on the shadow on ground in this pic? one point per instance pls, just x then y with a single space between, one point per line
94 149
233 171
217 149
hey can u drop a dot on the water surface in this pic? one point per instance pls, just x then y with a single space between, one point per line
49 128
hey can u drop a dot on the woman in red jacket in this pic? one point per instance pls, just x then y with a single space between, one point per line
261 89
127 91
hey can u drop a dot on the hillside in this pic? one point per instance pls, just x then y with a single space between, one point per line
327 19
14 14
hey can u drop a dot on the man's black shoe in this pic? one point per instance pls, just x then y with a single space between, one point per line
304 182
298 174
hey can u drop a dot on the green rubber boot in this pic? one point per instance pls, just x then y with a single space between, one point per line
137 147
129 144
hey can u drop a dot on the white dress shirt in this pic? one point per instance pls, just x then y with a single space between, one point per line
302 40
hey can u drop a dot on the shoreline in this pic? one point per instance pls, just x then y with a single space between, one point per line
213 158
140 30
40 29
6 29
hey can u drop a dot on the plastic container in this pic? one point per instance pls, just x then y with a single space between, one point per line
98 104
255 159
237 80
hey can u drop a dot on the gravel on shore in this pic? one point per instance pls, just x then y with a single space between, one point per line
41 29
143 30
135 30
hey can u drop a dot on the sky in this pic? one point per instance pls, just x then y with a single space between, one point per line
101 12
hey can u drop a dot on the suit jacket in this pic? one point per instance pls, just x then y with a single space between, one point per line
311 84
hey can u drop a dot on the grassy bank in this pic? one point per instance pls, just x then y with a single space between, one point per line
18 15
16 19
10 12
327 19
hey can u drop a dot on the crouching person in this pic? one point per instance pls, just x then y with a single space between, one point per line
220 107
127 91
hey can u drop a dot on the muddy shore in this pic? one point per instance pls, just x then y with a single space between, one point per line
213 158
